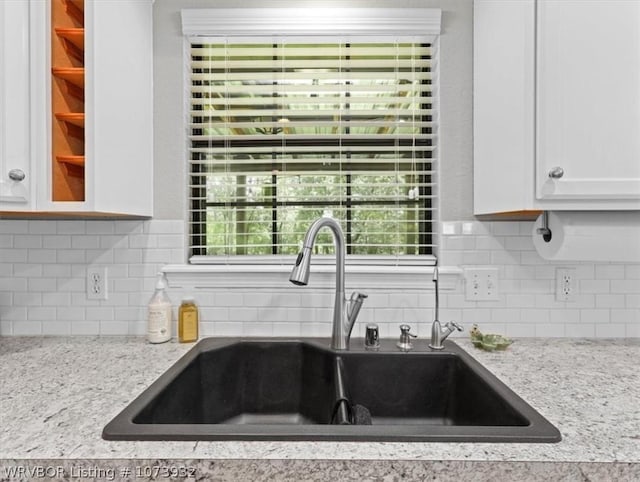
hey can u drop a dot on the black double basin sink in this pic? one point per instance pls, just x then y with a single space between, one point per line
285 389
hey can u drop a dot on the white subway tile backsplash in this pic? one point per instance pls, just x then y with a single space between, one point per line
165 227
14 255
43 265
633 330
593 286
535 316
611 330
128 255
505 229
85 242
551 330
630 316
27 299
72 227
27 328
71 256
57 328
581 330
505 257
11 284
508 316
610 271
632 271
85 328
520 330
632 300
521 301
42 227
631 286
286 329
28 241
42 284
476 257
610 301
41 313
99 313
560 316
595 316
6 241
100 227
70 313
114 327
14 227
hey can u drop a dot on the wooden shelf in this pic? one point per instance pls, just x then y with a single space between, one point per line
73 35
74 165
75 118
73 41
74 160
73 124
73 75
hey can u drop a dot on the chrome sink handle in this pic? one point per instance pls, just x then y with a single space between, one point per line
439 334
452 326
354 305
405 338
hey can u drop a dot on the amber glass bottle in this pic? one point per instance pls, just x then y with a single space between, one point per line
188 320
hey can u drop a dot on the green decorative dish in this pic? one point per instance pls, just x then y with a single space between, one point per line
488 342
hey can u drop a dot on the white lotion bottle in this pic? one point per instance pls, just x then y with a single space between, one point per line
159 314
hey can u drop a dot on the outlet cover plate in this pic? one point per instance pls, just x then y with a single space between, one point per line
566 284
97 283
481 284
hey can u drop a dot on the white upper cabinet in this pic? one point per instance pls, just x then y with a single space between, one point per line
79 89
588 90
16 173
557 105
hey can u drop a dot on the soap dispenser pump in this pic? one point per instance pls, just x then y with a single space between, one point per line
159 314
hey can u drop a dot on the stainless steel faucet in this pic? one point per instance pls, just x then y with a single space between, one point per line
438 334
344 312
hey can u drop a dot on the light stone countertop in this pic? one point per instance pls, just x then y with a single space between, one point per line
58 393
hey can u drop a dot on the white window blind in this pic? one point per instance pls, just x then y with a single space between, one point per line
282 131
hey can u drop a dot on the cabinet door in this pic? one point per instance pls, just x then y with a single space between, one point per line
588 100
15 153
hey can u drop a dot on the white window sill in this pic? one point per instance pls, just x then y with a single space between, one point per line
276 276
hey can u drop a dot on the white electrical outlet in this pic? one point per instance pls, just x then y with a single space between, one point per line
97 283
481 284
565 284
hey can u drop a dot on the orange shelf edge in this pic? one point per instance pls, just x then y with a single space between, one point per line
73 75
73 35
74 165
73 160
75 118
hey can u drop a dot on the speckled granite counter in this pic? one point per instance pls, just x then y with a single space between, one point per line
58 393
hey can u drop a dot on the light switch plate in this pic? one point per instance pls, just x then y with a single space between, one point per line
481 284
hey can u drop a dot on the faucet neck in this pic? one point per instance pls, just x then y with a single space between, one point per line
342 323
338 242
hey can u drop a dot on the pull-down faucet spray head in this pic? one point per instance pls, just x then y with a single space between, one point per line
300 272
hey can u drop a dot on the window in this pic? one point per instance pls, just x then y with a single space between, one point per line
283 131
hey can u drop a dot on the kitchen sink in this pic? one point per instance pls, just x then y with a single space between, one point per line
286 389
